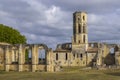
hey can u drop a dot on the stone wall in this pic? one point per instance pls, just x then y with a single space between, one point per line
72 59
12 58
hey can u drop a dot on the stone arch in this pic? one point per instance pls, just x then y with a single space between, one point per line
21 65
44 46
109 59
45 49
27 53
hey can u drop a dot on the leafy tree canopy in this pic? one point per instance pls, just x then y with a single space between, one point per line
10 35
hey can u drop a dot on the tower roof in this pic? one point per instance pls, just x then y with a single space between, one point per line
79 12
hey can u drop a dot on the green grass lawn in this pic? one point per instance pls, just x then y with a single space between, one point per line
68 74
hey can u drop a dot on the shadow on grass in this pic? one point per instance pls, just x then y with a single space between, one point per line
2 72
114 74
93 75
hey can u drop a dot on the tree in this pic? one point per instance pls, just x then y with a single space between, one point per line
10 35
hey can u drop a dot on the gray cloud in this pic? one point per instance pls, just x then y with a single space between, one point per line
50 21
93 6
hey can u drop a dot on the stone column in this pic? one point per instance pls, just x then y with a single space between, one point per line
34 58
69 61
37 56
20 58
7 61
49 59
13 56
70 58
99 57
17 55
23 54
117 58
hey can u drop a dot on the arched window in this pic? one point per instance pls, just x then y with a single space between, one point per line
84 38
56 56
73 56
66 56
79 28
83 17
81 55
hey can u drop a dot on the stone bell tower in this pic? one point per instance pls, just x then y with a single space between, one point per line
80 35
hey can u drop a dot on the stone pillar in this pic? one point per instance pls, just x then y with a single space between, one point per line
71 58
34 58
20 58
13 56
17 55
117 58
49 63
99 57
23 52
7 61
68 59
36 53
47 56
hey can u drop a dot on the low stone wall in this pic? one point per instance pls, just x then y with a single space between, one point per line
2 67
41 67
13 67
27 67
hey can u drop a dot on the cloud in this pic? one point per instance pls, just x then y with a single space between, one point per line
106 26
93 6
50 22
39 23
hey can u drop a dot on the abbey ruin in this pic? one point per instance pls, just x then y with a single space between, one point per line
79 52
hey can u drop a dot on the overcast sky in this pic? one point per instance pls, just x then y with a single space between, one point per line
50 21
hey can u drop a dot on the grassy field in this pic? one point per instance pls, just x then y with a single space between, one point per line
68 74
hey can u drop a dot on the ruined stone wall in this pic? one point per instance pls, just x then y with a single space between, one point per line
62 58
72 60
1 58
12 58
108 58
91 58
117 58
